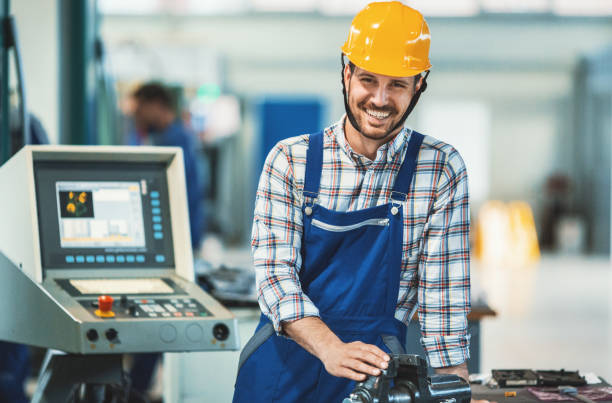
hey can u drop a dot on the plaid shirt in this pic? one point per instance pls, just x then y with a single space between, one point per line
434 281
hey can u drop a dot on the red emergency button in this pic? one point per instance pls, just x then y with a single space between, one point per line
105 306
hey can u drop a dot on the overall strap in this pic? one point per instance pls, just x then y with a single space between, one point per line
314 165
406 172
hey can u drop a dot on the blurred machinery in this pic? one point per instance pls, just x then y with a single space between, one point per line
96 261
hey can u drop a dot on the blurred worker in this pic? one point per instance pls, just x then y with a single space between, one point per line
358 227
156 123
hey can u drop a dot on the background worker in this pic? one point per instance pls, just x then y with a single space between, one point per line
358 228
155 122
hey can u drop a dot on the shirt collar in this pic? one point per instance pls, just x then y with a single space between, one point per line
385 153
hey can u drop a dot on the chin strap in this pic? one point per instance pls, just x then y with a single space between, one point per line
413 101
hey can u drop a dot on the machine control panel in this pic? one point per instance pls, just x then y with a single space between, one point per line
138 307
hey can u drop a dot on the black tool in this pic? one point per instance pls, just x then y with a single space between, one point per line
406 381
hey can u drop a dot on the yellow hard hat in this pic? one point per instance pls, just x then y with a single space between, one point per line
389 38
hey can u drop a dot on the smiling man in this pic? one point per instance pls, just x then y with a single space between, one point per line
358 228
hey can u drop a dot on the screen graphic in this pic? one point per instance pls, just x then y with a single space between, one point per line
100 214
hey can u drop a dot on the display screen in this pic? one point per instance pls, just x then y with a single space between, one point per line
100 214
103 215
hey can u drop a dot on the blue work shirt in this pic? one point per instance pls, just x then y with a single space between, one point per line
178 135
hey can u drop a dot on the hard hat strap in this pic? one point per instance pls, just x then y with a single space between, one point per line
349 114
413 101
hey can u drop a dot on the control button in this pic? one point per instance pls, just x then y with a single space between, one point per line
120 259
111 334
129 258
170 307
154 194
92 335
158 235
146 308
140 258
194 333
174 300
152 315
221 331
166 314
110 259
167 333
160 258
179 305
155 202
178 314
192 306
188 313
90 259
157 227
156 210
105 306
156 218
99 259
69 259
158 308
144 301
80 259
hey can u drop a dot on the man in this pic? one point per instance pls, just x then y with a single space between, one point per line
357 228
156 123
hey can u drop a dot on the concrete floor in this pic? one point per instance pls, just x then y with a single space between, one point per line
557 314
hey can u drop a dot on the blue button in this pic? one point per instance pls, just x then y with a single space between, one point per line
120 259
89 259
99 259
155 194
158 235
140 258
156 218
157 227
129 258
80 259
155 202
156 210
110 259
69 259
160 258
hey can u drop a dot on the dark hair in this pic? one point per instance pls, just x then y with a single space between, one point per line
155 92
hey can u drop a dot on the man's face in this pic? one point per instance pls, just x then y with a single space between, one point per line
147 115
378 102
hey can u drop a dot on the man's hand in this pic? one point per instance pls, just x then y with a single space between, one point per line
353 360
462 371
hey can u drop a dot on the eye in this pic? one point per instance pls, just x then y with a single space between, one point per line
399 84
366 79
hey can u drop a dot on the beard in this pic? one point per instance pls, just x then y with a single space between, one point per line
374 131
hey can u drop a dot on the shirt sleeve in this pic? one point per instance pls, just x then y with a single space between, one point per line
276 242
444 274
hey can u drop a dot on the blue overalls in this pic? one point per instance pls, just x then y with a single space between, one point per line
351 264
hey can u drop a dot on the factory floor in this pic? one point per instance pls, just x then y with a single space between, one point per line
556 314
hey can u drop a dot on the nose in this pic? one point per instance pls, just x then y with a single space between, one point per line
380 96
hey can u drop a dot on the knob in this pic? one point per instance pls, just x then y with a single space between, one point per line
105 306
92 335
221 332
111 334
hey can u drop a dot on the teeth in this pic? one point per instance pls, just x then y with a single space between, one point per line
376 114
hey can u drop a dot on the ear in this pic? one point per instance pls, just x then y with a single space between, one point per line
347 75
419 83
